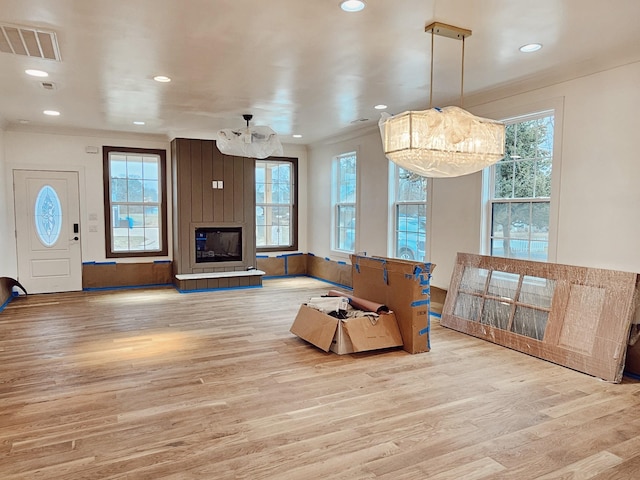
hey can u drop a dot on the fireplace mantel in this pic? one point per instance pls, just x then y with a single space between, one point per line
198 169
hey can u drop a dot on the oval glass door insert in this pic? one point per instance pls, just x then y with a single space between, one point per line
48 216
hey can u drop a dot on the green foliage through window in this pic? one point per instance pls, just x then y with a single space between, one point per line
520 200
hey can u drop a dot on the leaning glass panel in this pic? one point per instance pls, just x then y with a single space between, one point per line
467 306
474 279
503 284
496 313
537 291
530 322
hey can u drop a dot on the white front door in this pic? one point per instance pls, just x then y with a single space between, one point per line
47 210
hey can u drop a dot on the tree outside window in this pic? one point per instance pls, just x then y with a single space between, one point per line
521 193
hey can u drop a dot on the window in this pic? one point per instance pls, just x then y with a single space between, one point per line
276 204
135 198
520 189
345 202
409 215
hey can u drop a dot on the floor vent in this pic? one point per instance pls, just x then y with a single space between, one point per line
28 41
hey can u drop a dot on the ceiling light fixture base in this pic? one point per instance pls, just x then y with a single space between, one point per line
251 142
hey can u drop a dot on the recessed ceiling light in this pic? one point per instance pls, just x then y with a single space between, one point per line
36 73
162 78
297 135
530 47
138 122
51 113
380 107
352 5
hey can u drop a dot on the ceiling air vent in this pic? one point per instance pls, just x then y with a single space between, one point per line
28 41
48 85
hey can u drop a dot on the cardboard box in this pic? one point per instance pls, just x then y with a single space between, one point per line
357 334
401 285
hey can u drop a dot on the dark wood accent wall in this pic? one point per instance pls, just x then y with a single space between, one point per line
112 274
195 165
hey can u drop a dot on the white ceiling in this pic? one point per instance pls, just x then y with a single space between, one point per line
300 66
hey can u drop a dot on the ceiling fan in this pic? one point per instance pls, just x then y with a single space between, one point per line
252 142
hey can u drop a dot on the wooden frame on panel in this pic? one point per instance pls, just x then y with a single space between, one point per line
578 317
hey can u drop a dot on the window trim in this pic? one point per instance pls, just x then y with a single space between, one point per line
394 177
517 114
336 204
162 173
294 208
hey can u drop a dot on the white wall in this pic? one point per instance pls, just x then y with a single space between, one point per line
372 177
47 151
598 198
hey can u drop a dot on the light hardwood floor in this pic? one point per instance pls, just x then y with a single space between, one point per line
153 384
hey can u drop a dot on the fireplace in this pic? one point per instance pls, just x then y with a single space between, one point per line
218 244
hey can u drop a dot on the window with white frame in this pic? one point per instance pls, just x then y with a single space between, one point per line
345 202
520 190
135 197
276 201
409 215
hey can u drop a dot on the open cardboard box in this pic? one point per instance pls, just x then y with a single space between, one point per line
356 334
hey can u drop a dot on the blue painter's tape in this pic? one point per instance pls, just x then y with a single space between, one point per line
292 254
426 291
417 271
419 303
425 330
346 287
162 261
286 265
635 376
104 263
89 263
342 263
4 305
262 256
435 314
273 277
311 254
327 259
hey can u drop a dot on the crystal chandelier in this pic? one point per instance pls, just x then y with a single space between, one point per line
442 142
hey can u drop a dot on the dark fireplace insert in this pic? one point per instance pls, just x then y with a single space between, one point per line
218 244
